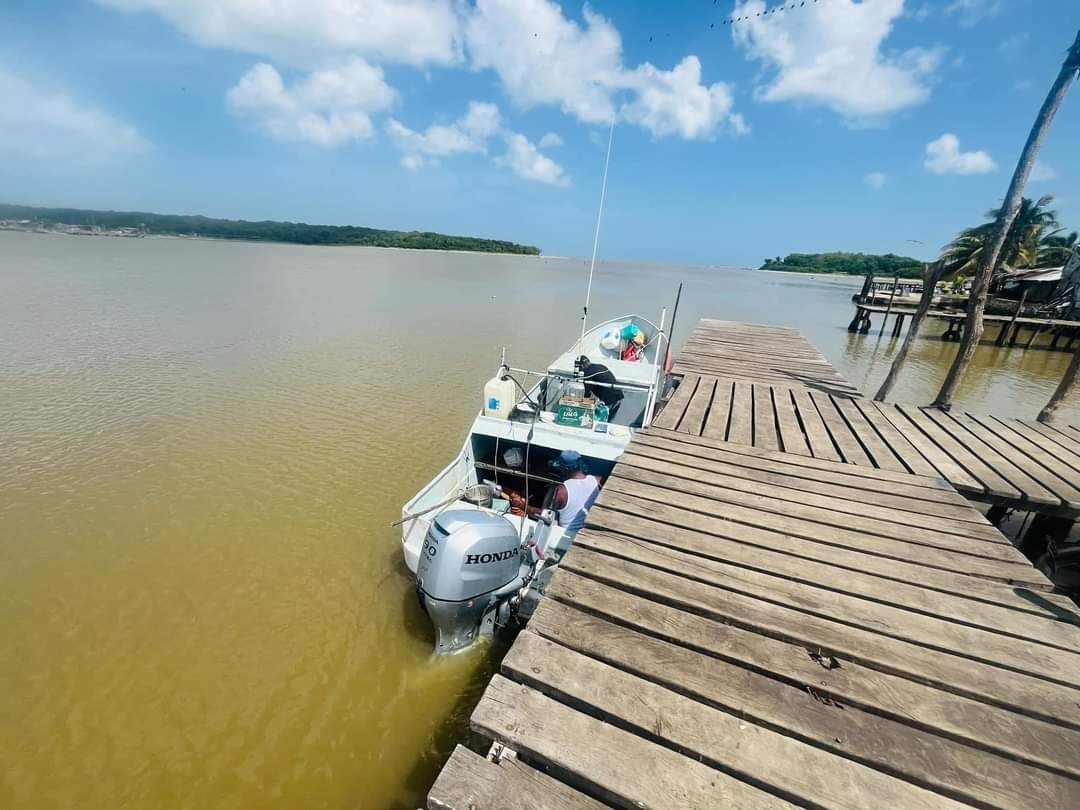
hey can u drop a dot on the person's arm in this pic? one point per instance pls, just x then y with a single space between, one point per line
561 497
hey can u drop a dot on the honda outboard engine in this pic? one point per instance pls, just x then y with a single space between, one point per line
470 570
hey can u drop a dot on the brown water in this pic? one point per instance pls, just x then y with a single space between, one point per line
202 446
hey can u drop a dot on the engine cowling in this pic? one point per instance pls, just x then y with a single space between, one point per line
470 566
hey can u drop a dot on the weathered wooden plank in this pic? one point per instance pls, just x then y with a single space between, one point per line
1027 475
741 427
842 436
883 743
880 453
1035 444
817 436
694 417
765 434
757 573
1066 480
981 443
792 438
669 526
953 472
716 421
1028 694
755 753
650 459
468 781
804 481
730 521
1055 660
994 483
933 488
617 765
989 727
673 411
898 443
707 499
1066 440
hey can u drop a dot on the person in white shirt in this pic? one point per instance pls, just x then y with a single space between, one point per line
572 498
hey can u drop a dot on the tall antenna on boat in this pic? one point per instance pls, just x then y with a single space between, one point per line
596 237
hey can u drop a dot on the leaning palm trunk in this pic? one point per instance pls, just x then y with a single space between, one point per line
973 323
930 280
1064 390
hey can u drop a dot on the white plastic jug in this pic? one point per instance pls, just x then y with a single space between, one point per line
499 397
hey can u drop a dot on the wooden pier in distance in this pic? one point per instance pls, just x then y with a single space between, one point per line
1063 332
749 626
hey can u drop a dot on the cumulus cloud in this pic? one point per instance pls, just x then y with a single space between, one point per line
675 102
943 156
326 108
543 58
37 122
877 180
306 32
971 12
526 161
470 133
832 55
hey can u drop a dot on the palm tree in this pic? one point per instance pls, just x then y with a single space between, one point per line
988 258
1034 223
1056 249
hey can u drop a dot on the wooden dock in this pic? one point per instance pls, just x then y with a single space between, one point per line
759 354
1056 327
1012 462
746 626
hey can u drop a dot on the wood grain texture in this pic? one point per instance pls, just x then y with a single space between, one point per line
469 781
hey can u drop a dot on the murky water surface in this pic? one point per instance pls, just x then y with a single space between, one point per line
202 445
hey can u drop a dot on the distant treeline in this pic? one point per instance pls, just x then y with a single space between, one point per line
267 231
858 264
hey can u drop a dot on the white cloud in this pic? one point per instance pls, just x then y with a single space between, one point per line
307 32
877 180
470 133
527 162
550 140
1013 48
943 156
675 102
1042 172
543 58
971 12
832 54
36 122
327 107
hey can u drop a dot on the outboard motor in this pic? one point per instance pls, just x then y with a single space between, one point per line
470 570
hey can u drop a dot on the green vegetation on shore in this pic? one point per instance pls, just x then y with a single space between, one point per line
267 231
858 264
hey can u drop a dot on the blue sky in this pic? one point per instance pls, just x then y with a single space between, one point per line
835 125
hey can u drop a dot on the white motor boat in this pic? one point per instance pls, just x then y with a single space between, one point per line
476 560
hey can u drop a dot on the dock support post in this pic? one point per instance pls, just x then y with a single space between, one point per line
888 309
1035 332
898 327
956 325
1005 328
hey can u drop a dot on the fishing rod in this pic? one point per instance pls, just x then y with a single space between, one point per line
596 240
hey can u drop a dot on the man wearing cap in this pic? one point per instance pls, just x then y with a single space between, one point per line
572 498
597 373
